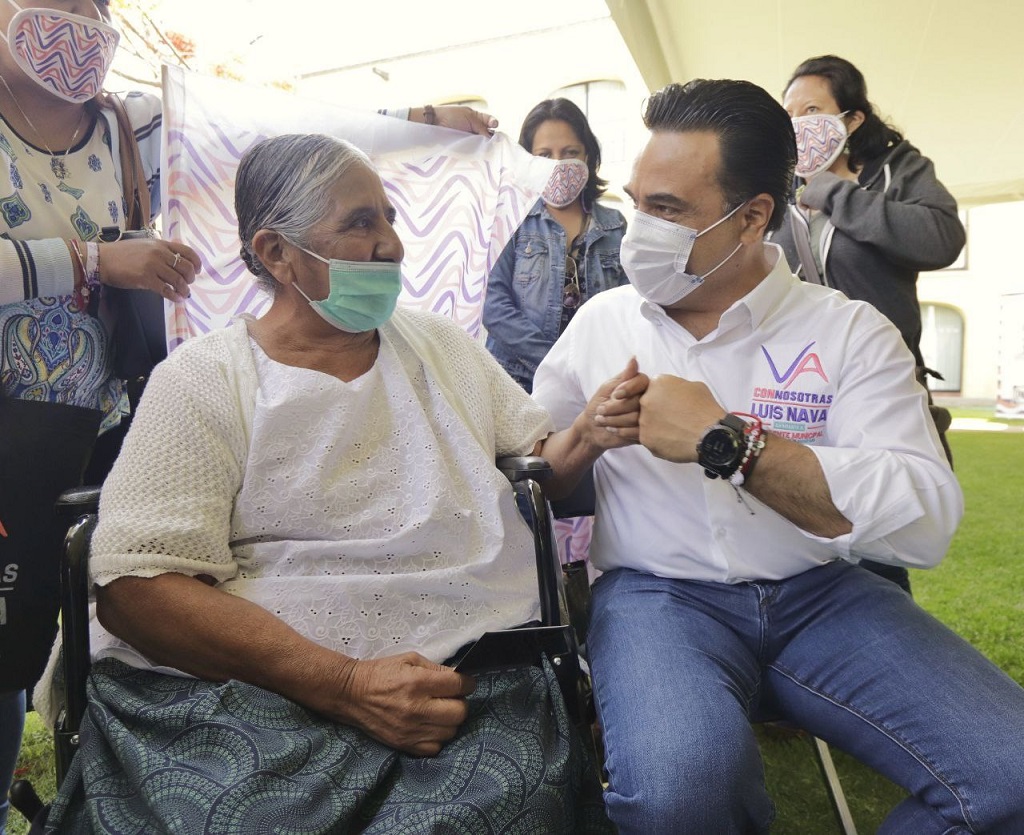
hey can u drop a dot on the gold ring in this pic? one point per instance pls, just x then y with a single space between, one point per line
177 258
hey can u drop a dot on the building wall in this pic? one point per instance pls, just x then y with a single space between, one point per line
977 292
509 75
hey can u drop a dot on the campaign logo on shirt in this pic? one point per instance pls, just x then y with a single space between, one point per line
796 394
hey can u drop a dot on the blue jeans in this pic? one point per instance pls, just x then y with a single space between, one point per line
12 723
681 666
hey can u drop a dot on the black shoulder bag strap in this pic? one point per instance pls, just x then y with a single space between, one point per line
133 177
139 331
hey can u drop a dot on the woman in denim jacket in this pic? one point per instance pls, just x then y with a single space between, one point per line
565 251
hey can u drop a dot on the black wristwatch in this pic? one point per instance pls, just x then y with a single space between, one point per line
721 447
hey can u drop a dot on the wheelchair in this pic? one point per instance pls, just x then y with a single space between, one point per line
77 511
558 635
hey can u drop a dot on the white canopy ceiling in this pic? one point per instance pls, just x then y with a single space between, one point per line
949 74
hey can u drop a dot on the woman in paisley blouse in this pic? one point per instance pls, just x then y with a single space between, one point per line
304 523
60 185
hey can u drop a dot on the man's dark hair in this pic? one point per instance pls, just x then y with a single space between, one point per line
566 111
755 135
850 91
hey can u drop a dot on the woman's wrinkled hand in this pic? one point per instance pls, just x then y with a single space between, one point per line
405 701
612 417
164 267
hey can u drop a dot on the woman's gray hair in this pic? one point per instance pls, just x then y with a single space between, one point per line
284 184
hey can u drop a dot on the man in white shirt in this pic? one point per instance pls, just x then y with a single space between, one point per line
752 438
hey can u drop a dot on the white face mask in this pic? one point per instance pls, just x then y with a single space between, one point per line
655 252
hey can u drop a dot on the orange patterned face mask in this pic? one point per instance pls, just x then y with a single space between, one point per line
566 182
67 54
820 139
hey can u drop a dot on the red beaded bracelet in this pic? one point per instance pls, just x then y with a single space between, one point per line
753 433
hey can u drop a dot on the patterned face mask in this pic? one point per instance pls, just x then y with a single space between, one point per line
566 182
66 53
820 139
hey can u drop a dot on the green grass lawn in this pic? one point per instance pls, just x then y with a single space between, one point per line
983 413
978 590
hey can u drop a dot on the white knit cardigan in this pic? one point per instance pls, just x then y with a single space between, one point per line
203 396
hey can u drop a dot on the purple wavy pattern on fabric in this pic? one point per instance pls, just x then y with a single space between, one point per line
455 214
572 537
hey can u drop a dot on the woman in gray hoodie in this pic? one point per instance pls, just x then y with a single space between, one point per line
868 212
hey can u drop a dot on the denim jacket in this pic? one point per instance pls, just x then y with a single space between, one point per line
523 304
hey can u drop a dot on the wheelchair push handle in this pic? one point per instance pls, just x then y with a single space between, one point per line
78 501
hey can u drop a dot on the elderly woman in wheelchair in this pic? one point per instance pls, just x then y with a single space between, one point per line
305 521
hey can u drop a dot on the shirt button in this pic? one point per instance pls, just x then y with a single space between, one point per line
720 533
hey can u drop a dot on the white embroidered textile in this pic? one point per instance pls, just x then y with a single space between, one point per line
364 514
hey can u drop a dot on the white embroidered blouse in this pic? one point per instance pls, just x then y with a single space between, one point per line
366 514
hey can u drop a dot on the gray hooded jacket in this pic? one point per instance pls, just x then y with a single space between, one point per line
881 231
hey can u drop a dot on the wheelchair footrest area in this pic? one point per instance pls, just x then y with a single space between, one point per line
23 797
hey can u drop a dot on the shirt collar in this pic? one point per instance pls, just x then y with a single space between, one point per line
766 296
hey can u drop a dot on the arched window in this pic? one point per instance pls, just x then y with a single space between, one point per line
603 103
475 103
942 344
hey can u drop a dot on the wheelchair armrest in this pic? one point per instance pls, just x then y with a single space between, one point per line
78 501
74 607
525 472
580 502
521 467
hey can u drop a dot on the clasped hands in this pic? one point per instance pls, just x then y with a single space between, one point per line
664 413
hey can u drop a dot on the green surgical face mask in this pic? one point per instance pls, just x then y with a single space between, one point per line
363 293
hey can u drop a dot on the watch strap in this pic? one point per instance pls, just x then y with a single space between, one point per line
734 422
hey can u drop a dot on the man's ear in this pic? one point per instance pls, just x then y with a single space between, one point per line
275 254
756 216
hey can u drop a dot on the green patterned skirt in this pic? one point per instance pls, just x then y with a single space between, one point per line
166 754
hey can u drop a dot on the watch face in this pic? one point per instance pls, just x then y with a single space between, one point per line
720 447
